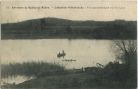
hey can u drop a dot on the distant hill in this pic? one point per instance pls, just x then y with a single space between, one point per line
46 28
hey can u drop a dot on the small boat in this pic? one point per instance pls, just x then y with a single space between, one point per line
63 54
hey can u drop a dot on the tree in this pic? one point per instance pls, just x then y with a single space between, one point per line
127 53
126 50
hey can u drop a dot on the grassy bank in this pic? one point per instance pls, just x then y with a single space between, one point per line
52 76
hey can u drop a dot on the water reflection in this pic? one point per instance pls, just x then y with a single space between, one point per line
85 52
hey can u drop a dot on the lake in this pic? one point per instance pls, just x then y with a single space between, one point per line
86 52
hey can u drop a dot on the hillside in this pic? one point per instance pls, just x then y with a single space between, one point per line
45 28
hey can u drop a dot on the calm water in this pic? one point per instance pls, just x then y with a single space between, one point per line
85 52
16 80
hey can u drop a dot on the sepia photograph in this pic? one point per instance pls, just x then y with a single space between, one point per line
68 44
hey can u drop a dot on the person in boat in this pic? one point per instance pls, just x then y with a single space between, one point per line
63 54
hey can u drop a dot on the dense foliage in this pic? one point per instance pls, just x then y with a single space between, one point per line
62 28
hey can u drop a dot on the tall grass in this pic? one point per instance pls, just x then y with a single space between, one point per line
36 69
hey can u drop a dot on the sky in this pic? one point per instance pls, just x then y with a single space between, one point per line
101 10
